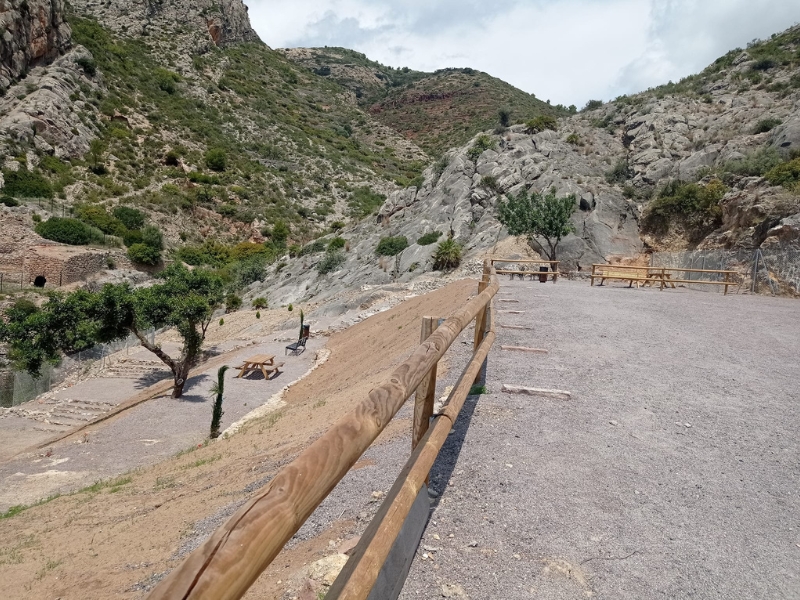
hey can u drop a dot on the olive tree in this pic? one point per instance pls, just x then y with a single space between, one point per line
182 299
540 217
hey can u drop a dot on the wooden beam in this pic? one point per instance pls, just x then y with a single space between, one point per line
529 391
233 557
426 392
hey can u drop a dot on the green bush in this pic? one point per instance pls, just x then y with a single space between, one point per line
429 238
765 125
592 105
8 201
696 206
216 159
142 254
152 236
541 123
764 64
620 172
481 145
68 231
313 248
131 218
96 216
786 174
447 255
166 80
248 270
259 303
336 243
331 262
755 164
504 116
88 65
26 184
574 139
132 237
363 202
391 246
232 302
54 165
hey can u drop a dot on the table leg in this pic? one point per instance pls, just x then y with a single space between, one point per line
244 370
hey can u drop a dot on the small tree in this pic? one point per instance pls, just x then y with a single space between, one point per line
184 299
504 116
538 216
217 390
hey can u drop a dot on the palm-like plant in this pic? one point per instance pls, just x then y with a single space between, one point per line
218 389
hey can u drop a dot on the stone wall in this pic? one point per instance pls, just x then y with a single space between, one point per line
62 265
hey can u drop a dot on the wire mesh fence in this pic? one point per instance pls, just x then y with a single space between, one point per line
18 387
772 270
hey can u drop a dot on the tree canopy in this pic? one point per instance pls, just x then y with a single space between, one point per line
538 216
183 299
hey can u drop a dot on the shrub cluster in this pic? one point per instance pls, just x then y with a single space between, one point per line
786 174
332 260
26 184
69 231
541 123
696 206
447 255
765 125
363 202
620 172
391 246
429 238
481 144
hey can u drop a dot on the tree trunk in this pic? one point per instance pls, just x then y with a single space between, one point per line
181 375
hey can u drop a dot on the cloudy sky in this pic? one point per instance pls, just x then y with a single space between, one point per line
567 51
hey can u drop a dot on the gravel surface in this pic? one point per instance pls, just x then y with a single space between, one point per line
673 471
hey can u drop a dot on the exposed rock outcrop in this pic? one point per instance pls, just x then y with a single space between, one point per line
33 33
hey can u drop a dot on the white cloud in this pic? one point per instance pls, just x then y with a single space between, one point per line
564 50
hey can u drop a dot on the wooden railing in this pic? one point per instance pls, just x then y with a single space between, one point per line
663 276
228 563
553 264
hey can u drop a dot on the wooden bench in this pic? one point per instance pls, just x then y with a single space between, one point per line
261 362
298 347
663 276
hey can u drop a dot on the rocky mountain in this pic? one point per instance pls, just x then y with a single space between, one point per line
710 162
437 111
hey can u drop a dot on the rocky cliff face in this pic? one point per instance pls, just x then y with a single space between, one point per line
33 32
190 27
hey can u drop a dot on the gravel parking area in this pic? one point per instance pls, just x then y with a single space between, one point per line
672 472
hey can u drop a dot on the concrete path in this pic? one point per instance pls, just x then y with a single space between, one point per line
672 472
142 435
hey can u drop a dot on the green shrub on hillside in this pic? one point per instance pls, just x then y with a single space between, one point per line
313 248
96 216
447 255
429 238
26 184
336 243
131 218
8 201
540 123
143 254
152 236
755 164
765 125
363 201
696 206
68 231
786 174
391 246
216 159
620 172
88 65
592 105
259 303
332 260
481 145
504 116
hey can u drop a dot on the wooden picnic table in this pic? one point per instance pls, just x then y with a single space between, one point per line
260 362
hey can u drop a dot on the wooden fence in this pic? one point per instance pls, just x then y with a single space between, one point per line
228 563
663 276
552 264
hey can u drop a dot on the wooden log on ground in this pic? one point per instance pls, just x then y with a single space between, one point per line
529 391
228 563
524 349
521 327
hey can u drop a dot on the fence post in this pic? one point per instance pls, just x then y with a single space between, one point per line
480 327
663 277
726 283
426 392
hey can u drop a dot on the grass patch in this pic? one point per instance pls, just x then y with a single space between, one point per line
477 390
202 461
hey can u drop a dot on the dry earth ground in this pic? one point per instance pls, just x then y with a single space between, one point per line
115 538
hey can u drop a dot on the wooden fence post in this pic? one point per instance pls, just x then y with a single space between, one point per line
480 329
726 283
426 392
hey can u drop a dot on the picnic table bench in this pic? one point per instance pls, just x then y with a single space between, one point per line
260 362
298 347
662 275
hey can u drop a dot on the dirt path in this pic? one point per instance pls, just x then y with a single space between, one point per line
673 471
115 538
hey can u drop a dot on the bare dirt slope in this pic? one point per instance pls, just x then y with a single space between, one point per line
115 538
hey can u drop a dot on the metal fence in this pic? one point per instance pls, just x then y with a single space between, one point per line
772 271
18 387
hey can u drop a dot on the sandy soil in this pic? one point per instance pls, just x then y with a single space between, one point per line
117 537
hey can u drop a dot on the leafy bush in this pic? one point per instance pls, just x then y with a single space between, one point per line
259 303
481 144
232 302
172 158
391 246
131 218
504 116
216 159
248 270
96 216
363 201
142 254
68 231
26 184
332 260
447 255
764 64
8 201
765 125
695 205
196 177
313 247
336 243
132 237
88 65
592 105
541 123
429 238
166 80
152 236
574 139
620 172
54 165
211 253
755 164
786 174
